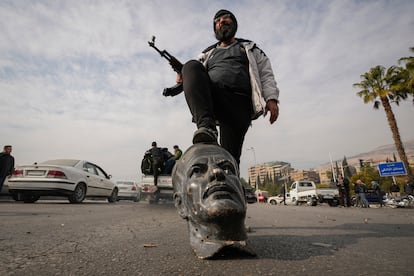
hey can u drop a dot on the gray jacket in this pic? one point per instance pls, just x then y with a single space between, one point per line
262 80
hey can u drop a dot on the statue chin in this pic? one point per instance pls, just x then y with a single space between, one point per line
224 208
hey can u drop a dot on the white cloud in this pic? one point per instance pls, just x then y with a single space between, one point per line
77 79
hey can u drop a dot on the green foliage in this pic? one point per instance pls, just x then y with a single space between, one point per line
409 67
368 174
244 182
380 83
329 174
273 186
321 186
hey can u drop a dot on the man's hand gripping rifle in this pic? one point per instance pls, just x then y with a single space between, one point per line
175 64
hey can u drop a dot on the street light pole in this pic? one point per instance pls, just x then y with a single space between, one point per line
254 156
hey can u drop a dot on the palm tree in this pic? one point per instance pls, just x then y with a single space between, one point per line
383 87
409 66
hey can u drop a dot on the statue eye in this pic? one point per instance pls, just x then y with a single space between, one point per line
228 168
197 170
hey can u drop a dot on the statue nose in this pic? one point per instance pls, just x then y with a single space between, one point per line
217 174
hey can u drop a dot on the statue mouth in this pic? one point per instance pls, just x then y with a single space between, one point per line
219 191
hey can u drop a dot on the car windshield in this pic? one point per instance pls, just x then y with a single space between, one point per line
61 162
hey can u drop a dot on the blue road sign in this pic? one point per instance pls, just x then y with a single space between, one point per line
392 169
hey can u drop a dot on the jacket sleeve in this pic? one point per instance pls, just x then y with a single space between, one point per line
267 78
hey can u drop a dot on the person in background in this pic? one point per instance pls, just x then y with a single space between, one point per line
341 190
395 190
357 189
169 161
177 152
347 192
408 187
362 194
377 189
157 156
6 164
283 192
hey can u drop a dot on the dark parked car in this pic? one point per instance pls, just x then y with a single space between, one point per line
250 196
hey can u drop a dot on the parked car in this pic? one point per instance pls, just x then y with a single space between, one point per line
274 200
250 195
306 192
73 179
128 190
262 196
153 194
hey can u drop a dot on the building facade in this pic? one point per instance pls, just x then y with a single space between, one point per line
275 170
310 175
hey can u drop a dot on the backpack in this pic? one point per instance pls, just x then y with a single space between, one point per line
146 164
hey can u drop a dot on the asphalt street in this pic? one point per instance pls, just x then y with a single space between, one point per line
127 238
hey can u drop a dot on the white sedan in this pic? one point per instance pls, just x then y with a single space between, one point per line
73 179
274 200
128 190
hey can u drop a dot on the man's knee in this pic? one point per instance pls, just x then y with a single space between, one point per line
192 66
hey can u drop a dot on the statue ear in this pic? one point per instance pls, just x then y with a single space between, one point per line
178 202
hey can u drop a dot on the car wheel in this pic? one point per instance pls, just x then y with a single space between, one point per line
295 201
15 196
78 194
273 202
30 198
137 199
154 199
332 202
114 196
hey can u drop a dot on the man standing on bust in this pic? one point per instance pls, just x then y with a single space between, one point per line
232 84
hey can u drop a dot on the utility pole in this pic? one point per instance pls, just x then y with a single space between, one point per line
254 156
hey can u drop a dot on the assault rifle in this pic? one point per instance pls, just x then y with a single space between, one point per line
176 66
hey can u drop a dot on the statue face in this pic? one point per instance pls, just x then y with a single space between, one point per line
208 193
210 185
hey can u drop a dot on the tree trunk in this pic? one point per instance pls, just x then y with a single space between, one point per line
396 135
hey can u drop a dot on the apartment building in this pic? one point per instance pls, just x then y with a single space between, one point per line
275 169
310 175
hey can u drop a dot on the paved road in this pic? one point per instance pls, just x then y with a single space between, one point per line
126 238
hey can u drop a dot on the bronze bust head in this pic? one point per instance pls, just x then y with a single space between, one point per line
209 195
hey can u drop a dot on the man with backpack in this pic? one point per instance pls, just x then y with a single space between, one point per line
157 156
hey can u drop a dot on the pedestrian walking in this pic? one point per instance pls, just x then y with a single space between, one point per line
377 190
341 190
362 194
6 164
357 189
395 190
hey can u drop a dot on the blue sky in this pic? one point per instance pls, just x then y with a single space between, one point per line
78 80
